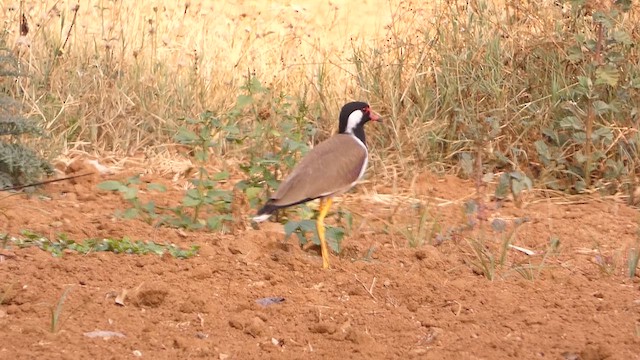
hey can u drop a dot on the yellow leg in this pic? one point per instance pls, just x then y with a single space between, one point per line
325 205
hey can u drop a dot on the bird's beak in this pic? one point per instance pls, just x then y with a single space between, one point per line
374 117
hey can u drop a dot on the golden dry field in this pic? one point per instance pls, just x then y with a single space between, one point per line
498 218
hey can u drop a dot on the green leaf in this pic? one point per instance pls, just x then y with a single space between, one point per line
242 101
189 201
111 185
216 222
572 122
185 136
608 75
603 132
149 207
542 149
520 182
601 107
603 18
222 175
585 84
552 135
130 213
289 228
502 190
253 192
201 156
334 236
574 54
156 187
134 180
466 163
580 137
622 37
129 193
580 157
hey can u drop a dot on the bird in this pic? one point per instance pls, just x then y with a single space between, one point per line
330 169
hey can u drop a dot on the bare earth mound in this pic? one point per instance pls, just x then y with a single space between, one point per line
381 299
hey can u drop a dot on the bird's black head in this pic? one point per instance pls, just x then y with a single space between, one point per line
353 116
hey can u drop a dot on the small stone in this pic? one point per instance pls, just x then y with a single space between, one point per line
234 323
412 306
234 250
322 328
255 328
356 336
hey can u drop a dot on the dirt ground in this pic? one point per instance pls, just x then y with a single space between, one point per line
381 299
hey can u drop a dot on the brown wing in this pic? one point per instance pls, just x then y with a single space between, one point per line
331 167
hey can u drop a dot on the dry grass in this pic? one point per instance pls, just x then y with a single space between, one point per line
455 80
128 70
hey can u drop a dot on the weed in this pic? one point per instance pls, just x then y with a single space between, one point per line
531 271
279 123
206 203
368 256
301 228
56 311
19 163
486 261
4 241
416 234
633 258
608 264
125 245
129 189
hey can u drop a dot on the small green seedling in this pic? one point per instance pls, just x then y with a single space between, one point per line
124 245
129 189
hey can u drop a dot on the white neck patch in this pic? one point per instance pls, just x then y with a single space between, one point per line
353 121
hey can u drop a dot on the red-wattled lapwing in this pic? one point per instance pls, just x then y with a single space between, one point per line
329 169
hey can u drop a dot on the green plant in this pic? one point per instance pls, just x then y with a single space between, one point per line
633 258
607 264
203 205
531 271
416 234
124 245
4 240
513 182
19 163
206 199
279 122
486 261
585 143
307 225
282 132
56 311
129 189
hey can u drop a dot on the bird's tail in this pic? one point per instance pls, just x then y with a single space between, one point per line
264 213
